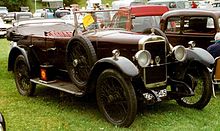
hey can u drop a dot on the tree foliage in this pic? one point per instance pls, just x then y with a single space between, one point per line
69 2
14 5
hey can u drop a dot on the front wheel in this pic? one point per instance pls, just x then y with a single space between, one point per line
22 77
116 98
199 79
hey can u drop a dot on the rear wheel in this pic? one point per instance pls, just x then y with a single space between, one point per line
116 98
199 79
22 77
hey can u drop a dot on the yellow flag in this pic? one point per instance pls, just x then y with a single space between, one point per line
87 20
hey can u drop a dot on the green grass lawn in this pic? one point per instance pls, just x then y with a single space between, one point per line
50 110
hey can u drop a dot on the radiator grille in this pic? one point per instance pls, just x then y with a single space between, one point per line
156 71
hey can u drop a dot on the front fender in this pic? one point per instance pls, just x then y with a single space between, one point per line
200 55
14 52
122 64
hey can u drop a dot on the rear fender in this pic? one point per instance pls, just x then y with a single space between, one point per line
14 52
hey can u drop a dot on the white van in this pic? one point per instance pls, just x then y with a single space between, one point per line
171 4
124 3
3 11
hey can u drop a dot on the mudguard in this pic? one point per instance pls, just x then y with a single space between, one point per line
121 63
200 55
14 52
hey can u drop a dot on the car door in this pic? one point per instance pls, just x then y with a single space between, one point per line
44 48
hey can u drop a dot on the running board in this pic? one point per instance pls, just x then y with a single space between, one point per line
60 85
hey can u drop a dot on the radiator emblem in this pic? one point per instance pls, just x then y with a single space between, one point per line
157 60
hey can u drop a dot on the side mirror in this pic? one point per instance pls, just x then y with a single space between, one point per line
191 44
2 123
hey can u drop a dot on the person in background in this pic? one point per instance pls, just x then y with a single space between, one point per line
214 49
193 5
44 13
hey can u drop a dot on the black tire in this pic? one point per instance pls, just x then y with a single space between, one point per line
116 98
217 87
80 58
198 78
22 77
2 123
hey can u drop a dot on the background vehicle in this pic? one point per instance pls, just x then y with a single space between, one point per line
203 4
182 26
61 12
24 9
20 16
171 4
9 17
46 13
215 73
38 13
3 28
3 11
139 18
126 3
216 4
139 68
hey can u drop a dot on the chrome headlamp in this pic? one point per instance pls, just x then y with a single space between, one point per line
143 58
179 52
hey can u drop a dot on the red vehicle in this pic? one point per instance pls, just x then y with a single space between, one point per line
139 18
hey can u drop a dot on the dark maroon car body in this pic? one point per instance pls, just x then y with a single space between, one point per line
122 68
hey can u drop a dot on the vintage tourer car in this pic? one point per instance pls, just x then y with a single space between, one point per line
120 67
198 25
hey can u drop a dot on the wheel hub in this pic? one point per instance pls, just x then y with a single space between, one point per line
75 62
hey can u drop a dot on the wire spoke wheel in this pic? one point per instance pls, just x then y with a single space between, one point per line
80 58
80 63
198 78
197 87
22 77
116 98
